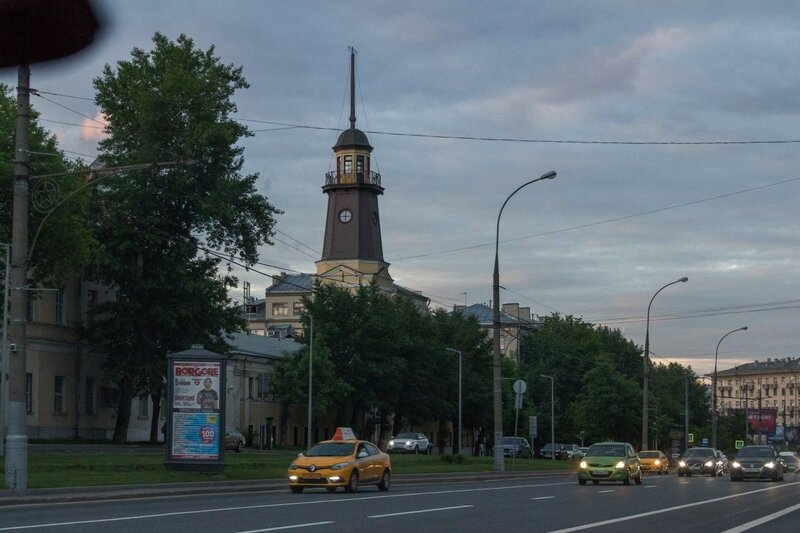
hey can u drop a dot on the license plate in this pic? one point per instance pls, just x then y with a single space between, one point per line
312 476
601 472
751 470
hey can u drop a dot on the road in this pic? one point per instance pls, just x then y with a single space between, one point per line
557 503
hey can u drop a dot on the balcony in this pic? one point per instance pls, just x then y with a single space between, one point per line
335 177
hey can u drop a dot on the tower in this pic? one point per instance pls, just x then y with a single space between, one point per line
352 252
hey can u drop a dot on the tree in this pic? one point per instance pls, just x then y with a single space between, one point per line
162 230
62 248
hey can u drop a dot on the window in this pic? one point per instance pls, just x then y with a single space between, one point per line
144 406
88 396
360 163
280 309
297 308
58 394
261 387
60 306
29 393
348 166
29 292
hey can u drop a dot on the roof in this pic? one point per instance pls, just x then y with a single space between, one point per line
770 366
352 137
262 346
292 283
485 316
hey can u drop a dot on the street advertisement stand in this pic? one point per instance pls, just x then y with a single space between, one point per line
195 429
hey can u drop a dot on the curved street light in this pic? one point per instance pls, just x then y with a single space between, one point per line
645 384
497 373
714 390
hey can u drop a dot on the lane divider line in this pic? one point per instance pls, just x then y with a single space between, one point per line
420 511
764 519
295 526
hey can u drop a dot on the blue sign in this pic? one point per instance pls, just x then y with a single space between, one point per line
705 441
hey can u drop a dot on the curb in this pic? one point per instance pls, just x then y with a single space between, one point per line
106 493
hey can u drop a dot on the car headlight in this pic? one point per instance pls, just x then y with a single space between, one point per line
709 463
293 479
736 464
583 464
340 466
292 466
620 464
658 463
682 464
770 465
409 443
391 443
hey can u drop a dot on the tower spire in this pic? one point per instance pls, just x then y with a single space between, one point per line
352 87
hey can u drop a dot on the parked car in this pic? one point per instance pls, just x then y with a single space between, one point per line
340 462
654 461
699 461
757 462
516 447
234 440
610 461
409 442
584 449
547 450
569 452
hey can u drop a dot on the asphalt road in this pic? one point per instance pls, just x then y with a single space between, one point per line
557 503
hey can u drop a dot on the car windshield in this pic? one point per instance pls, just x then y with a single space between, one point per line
648 455
331 449
697 453
790 459
762 453
606 450
406 436
510 440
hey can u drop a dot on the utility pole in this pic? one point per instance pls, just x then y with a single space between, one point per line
4 350
17 438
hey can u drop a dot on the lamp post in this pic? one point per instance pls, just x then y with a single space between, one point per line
310 378
497 373
645 384
714 390
552 418
459 395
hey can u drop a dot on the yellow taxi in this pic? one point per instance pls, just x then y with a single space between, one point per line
654 461
343 461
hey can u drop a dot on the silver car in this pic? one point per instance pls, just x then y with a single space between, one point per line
409 443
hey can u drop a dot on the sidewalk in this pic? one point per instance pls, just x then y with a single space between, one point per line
82 494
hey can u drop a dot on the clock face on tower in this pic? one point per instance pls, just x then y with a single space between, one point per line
345 216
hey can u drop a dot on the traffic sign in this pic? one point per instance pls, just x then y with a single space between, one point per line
705 441
691 438
739 444
520 386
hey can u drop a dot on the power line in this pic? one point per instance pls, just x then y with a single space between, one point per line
36 93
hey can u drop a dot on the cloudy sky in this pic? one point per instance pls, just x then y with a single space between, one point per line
674 129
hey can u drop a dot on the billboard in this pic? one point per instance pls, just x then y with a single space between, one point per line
762 421
196 418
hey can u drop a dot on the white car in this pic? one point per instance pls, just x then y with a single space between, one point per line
409 442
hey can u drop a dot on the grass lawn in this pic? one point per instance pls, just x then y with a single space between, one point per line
82 470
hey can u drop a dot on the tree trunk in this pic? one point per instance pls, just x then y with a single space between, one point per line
123 412
155 428
442 441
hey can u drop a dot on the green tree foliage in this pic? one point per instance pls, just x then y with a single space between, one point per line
156 227
59 239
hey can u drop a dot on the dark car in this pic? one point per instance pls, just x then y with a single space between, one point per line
516 447
791 461
757 462
234 440
699 461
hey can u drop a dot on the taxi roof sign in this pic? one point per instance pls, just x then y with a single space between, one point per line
344 434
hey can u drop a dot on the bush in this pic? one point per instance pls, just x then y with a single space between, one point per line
453 459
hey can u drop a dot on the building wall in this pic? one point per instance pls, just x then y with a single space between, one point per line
778 389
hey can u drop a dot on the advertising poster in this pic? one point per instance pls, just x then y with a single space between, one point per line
762 421
196 431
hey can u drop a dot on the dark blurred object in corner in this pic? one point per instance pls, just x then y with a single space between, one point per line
41 30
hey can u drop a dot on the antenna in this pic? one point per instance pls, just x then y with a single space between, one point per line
352 87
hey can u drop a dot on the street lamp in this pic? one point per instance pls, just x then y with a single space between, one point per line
645 384
459 395
497 373
310 378
714 391
552 418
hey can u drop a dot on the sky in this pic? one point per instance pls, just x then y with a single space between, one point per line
674 129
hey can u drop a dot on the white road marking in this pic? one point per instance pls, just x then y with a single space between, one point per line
273 505
543 498
420 511
763 520
668 509
649 486
295 526
604 491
